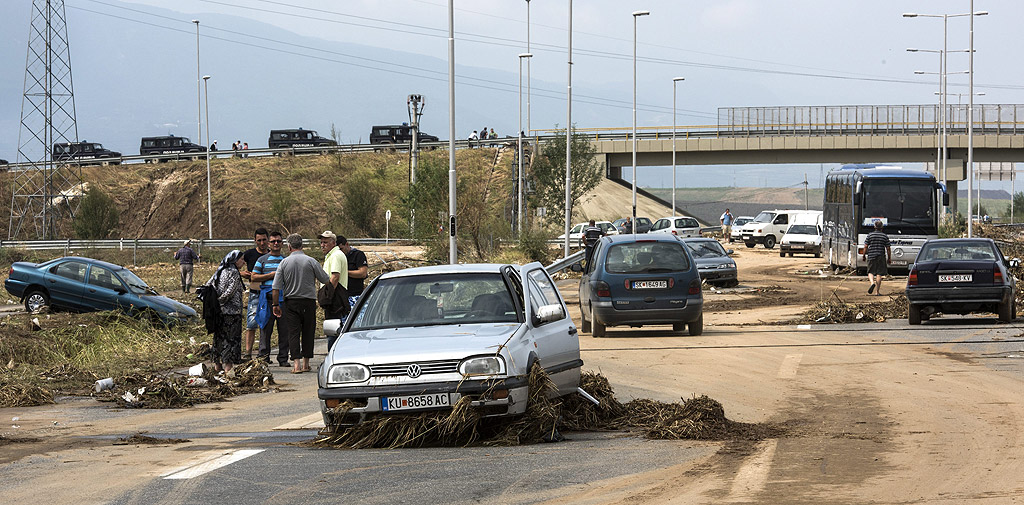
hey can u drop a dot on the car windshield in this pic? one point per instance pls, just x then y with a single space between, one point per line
137 285
805 229
429 300
652 257
958 251
705 248
686 222
742 221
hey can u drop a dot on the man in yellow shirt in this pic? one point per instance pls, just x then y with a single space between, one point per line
336 266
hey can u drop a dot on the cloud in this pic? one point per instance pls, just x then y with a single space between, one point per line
730 15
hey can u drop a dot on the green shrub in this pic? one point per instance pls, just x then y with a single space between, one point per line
97 216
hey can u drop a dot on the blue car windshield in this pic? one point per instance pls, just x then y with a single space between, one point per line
137 285
428 300
646 257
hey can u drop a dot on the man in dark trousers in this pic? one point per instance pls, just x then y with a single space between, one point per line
186 257
877 252
591 234
295 281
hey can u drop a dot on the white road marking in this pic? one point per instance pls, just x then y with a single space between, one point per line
302 423
208 462
753 475
803 326
789 365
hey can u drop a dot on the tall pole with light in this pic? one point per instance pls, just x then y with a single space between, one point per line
452 252
519 214
940 164
568 142
209 195
199 89
527 66
674 81
636 14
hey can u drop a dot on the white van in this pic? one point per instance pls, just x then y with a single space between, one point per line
770 225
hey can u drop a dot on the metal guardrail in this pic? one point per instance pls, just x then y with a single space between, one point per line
72 244
564 263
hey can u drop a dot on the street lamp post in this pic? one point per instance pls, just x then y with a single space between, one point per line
452 252
568 141
199 91
636 14
940 155
674 81
209 195
970 112
527 66
519 221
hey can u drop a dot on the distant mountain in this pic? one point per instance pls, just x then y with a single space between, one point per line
986 194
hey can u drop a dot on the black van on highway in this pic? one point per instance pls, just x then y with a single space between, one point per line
81 151
396 134
297 137
169 144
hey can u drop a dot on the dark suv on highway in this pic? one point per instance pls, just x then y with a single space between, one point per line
81 151
169 144
397 134
297 137
637 280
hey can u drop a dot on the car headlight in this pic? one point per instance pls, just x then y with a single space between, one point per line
341 374
482 365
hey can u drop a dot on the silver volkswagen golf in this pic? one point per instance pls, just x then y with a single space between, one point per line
423 338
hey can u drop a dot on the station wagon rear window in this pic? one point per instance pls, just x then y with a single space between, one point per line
646 257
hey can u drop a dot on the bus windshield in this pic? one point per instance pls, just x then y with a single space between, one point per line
905 205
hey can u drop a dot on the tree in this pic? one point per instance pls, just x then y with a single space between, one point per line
97 215
1018 206
549 175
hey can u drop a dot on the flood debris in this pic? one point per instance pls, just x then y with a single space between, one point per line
141 439
835 310
173 390
545 419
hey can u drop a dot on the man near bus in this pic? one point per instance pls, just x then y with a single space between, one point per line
877 252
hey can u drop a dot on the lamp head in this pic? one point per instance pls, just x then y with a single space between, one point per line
641 13
910 14
677 79
206 77
526 55
196 21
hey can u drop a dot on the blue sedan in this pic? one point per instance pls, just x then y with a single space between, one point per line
85 285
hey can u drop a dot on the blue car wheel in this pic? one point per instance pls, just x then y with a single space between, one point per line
36 299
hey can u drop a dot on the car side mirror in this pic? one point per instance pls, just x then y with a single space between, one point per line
576 267
120 291
548 313
728 252
332 327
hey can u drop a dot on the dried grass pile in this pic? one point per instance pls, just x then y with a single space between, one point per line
834 310
168 391
1011 244
17 392
545 418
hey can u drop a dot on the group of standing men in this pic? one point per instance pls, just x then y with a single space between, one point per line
282 290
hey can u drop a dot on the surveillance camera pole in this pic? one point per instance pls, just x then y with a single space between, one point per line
415 104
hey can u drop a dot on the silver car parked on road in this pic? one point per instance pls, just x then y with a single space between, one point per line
424 338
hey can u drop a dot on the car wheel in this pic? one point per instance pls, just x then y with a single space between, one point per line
769 241
782 254
1006 311
585 326
914 314
750 245
678 327
817 255
1013 311
731 284
696 327
35 299
599 329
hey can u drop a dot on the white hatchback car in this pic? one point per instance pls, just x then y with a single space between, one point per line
680 226
736 236
576 232
801 238
425 338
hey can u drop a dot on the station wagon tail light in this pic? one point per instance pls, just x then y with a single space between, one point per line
674 232
997 276
912 278
695 287
347 373
482 365
603 289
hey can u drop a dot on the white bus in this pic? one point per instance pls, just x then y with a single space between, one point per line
907 203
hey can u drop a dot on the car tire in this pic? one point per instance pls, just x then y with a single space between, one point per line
598 329
914 314
696 327
1006 311
817 255
750 245
678 327
36 298
584 323
782 254
769 241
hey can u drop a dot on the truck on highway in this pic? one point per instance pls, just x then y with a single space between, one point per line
83 152
297 137
169 144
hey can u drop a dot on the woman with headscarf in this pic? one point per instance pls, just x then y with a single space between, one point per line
227 340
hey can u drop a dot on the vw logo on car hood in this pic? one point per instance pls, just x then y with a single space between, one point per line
413 371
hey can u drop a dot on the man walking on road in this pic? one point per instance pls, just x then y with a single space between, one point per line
877 252
727 221
591 234
186 258
295 281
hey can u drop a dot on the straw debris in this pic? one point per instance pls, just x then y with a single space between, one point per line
835 310
545 418
168 391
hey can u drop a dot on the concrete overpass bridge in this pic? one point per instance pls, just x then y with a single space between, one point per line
828 134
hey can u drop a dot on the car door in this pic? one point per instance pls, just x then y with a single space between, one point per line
557 341
66 282
103 290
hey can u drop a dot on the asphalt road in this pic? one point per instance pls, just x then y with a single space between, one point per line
875 413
